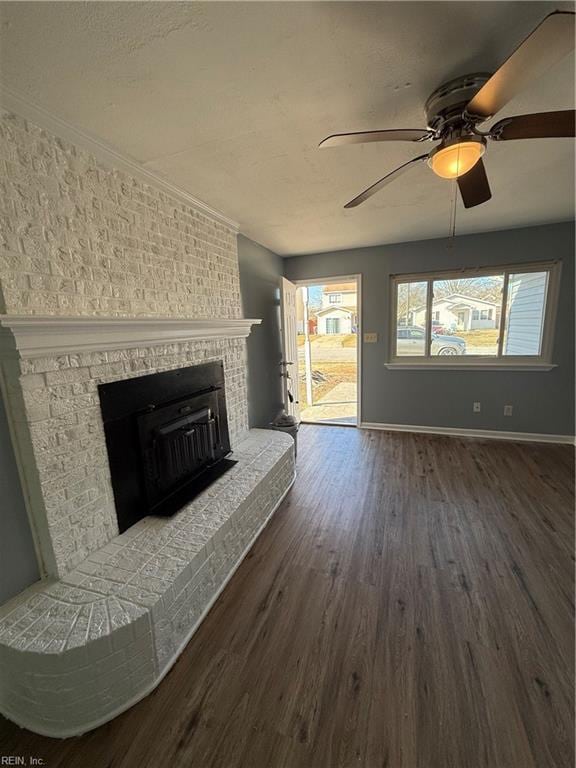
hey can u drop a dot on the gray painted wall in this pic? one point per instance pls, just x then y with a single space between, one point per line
543 401
260 271
18 565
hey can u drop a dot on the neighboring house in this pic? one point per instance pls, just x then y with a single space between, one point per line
458 312
336 295
339 310
336 320
525 313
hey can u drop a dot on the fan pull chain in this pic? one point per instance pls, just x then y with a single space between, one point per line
452 224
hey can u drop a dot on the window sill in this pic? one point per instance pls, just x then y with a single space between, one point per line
469 365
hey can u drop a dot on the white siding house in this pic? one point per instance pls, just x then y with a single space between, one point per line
461 313
339 296
336 320
525 313
338 313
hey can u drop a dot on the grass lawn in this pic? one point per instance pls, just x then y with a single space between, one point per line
350 340
330 339
335 373
483 337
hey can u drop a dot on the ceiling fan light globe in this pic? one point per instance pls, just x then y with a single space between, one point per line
455 160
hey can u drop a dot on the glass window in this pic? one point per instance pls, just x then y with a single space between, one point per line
467 329
525 308
335 298
466 313
411 309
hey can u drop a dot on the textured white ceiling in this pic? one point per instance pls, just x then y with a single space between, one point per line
230 100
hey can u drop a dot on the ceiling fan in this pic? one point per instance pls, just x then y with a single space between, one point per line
456 108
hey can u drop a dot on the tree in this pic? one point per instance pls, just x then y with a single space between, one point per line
467 286
410 297
487 288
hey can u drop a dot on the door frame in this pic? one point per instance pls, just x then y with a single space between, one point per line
288 321
357 278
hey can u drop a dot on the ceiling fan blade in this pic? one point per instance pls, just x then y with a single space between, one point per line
542 125
552 39
474 186
383 181
363 137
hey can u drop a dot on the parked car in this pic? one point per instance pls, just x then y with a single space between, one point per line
411 341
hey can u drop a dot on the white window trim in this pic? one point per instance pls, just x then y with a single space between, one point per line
472 364
541 362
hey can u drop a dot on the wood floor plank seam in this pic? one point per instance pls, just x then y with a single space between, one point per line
410 605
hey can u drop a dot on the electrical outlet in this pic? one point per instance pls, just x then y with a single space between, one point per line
507 410
370 338
477 407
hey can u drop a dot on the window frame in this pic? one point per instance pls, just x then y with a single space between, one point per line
543 361
334 298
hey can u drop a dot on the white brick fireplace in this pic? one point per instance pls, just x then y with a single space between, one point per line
51 370
104 277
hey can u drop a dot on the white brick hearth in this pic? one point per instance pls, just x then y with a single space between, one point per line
76 652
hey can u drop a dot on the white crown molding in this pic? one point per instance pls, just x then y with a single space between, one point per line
14 102
489 434
29 336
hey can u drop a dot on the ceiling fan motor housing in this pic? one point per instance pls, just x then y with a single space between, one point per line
455 110
446 106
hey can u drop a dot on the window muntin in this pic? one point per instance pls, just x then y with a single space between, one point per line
505 314
335 298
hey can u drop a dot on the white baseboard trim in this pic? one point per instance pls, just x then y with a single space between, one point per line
489 434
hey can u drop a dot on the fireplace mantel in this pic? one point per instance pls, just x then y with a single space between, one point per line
40 335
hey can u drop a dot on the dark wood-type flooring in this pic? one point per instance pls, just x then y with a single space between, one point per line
408 606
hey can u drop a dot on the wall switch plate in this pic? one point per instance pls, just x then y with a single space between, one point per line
370 338
476 407
507 410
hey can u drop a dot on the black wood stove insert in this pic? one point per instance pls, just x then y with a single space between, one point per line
167 438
